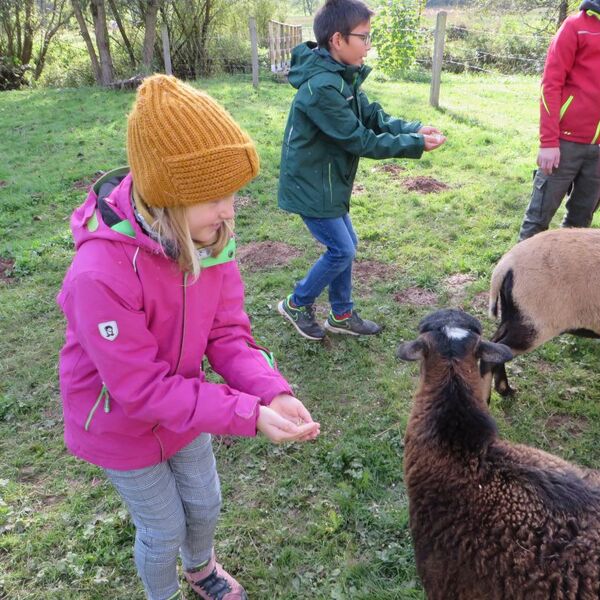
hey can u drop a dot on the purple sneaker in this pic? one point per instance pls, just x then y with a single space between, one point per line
213 582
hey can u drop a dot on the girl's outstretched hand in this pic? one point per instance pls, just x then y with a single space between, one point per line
287 420
278 429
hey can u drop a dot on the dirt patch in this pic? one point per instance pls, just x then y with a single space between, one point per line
567 423
425 185
27 475
358 189
3 183
543 366
6 265
242 201
256 256
368 272
456 286
389 168
416 296
85 182
223 442
480 302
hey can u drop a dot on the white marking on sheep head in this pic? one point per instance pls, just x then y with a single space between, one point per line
455 333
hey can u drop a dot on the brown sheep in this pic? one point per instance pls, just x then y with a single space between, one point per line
490 520
544 286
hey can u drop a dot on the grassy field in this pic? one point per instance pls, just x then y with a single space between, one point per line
327 520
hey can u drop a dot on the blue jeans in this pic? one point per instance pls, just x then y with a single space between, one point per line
334 267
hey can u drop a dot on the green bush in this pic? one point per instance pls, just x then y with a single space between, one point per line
397 35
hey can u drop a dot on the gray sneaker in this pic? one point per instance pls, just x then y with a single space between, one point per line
302 318
352 325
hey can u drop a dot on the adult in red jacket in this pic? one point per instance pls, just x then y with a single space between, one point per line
568 158
152 290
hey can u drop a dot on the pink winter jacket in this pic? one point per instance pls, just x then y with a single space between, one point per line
132 384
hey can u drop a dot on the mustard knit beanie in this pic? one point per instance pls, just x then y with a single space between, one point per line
183 147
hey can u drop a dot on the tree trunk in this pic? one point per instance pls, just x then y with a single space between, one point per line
563 10
128 46
58 19
28 33
102 41
88 40
152 7
204 64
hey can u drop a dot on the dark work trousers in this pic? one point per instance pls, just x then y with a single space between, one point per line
577 177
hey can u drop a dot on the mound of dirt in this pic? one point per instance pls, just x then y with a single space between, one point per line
389 168
6 265
367 272
425 185
480 302
257 256
456 285
416 296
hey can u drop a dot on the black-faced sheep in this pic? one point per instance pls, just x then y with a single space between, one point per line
544 286
490 520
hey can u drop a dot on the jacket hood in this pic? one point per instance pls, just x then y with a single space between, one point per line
590 5
108 214
309 60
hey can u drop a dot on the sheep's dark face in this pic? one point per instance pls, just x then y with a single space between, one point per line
453 336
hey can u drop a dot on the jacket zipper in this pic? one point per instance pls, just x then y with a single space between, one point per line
185 278
103 394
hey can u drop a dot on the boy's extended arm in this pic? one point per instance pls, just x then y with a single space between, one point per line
559 62
376 119
333 115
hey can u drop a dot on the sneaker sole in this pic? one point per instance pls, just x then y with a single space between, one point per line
284 313
339 330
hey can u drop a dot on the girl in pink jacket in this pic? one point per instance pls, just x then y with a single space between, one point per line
152 290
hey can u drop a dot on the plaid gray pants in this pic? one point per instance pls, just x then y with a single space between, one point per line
174 506
578 178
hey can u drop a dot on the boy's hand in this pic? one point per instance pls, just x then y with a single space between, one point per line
293 410
428 130
433 141
548 159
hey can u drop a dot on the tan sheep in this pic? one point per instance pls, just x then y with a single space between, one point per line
544 286
490 520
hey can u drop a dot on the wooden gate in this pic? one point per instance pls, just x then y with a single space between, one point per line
282 38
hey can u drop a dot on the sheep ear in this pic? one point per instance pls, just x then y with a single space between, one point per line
494 353
414 350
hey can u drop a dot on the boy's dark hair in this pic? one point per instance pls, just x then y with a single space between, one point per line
339 15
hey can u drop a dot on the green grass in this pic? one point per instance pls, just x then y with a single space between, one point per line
323 520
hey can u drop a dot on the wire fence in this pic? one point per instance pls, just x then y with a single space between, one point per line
466 50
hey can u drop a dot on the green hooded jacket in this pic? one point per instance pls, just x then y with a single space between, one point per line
330 126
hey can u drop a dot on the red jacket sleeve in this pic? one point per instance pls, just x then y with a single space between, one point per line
231 350
559 62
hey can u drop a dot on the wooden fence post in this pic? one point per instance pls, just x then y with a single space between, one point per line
254 44
438 58
166 50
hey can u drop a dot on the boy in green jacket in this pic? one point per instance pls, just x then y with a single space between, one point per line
330 126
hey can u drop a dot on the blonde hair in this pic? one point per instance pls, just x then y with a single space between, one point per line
172 232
